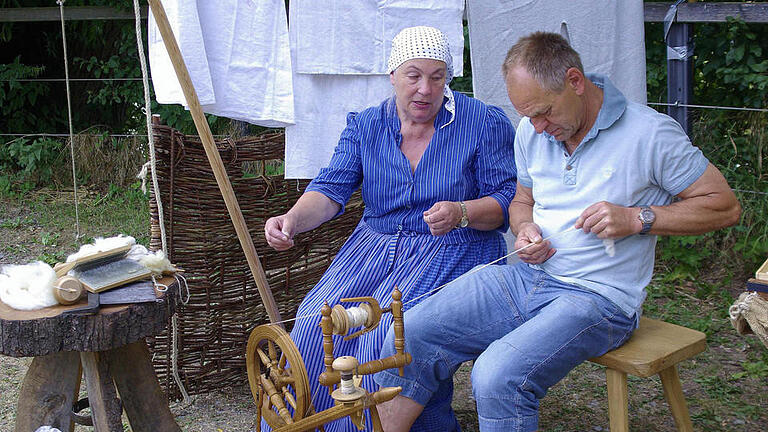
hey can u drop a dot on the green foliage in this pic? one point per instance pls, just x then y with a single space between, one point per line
28 162
16 96
757 369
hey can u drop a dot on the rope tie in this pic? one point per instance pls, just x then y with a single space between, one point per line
69 118
738 308
156 188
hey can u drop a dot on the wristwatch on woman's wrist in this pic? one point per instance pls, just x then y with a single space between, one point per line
464 221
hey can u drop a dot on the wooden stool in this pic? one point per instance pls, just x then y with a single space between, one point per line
656 347
108 347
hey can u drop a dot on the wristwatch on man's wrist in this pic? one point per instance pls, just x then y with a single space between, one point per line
464 221
647 217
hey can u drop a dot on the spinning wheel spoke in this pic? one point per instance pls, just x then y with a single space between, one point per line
272 352
282 393
281 363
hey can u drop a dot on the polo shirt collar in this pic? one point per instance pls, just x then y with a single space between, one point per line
614 102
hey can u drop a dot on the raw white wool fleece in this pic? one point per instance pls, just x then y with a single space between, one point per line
27 287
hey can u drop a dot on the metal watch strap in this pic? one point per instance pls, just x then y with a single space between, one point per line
464 221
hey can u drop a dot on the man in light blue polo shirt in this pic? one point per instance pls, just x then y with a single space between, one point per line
586 158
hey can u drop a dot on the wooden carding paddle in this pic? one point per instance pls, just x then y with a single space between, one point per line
104 256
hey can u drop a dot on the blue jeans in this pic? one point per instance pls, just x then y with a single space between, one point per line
525 329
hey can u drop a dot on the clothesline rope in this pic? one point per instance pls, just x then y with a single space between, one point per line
69 120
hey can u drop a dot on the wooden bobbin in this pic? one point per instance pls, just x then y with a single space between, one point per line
347 391
67 290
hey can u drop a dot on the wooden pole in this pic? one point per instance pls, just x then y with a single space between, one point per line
215 159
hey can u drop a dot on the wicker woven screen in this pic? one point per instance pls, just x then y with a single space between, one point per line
212 329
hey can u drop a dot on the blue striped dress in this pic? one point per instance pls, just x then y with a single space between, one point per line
471 157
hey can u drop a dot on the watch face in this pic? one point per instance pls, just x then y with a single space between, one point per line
647 216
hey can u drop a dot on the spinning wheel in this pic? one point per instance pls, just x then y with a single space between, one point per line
277 376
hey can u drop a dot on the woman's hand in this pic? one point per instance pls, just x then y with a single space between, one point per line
279 231
442 217
541 251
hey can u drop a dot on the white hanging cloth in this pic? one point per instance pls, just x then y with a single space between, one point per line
609 36
343 47
354 37
245 48
182 15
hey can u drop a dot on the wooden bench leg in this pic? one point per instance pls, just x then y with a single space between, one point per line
673 392
617 400
48 392
144 401
106 410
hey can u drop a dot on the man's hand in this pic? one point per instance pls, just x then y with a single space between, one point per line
541 251
279 231
442 217
609 221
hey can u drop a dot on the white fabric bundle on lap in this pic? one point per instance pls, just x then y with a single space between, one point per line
28 287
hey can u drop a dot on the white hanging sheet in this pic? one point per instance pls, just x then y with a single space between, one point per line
245 44
607 34
341 32
354 37
182 15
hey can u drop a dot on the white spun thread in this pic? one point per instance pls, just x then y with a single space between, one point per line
449 282
356 316
347 386
69 118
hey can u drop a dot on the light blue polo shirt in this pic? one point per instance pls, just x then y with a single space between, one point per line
632 156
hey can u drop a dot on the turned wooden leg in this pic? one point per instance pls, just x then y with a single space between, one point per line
48 392
673 392
145 403
617 400
105 407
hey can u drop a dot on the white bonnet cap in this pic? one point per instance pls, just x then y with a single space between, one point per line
424 42
420 42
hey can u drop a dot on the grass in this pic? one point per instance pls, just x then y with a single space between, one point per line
45 221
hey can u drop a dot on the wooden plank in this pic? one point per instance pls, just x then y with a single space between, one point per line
654 12
700 12
71 13
762 272
654 346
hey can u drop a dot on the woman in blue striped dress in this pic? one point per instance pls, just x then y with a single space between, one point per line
437 174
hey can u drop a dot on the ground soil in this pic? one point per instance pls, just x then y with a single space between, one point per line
718 400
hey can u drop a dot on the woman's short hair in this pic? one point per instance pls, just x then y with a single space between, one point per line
546 56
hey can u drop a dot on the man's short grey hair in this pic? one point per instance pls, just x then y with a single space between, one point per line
546 56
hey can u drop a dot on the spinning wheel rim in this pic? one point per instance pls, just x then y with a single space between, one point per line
260 337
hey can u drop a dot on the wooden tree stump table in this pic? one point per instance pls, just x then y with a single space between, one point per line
107 347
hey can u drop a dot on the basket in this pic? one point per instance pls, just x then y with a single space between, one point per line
224 306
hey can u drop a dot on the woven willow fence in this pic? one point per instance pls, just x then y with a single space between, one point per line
225 305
